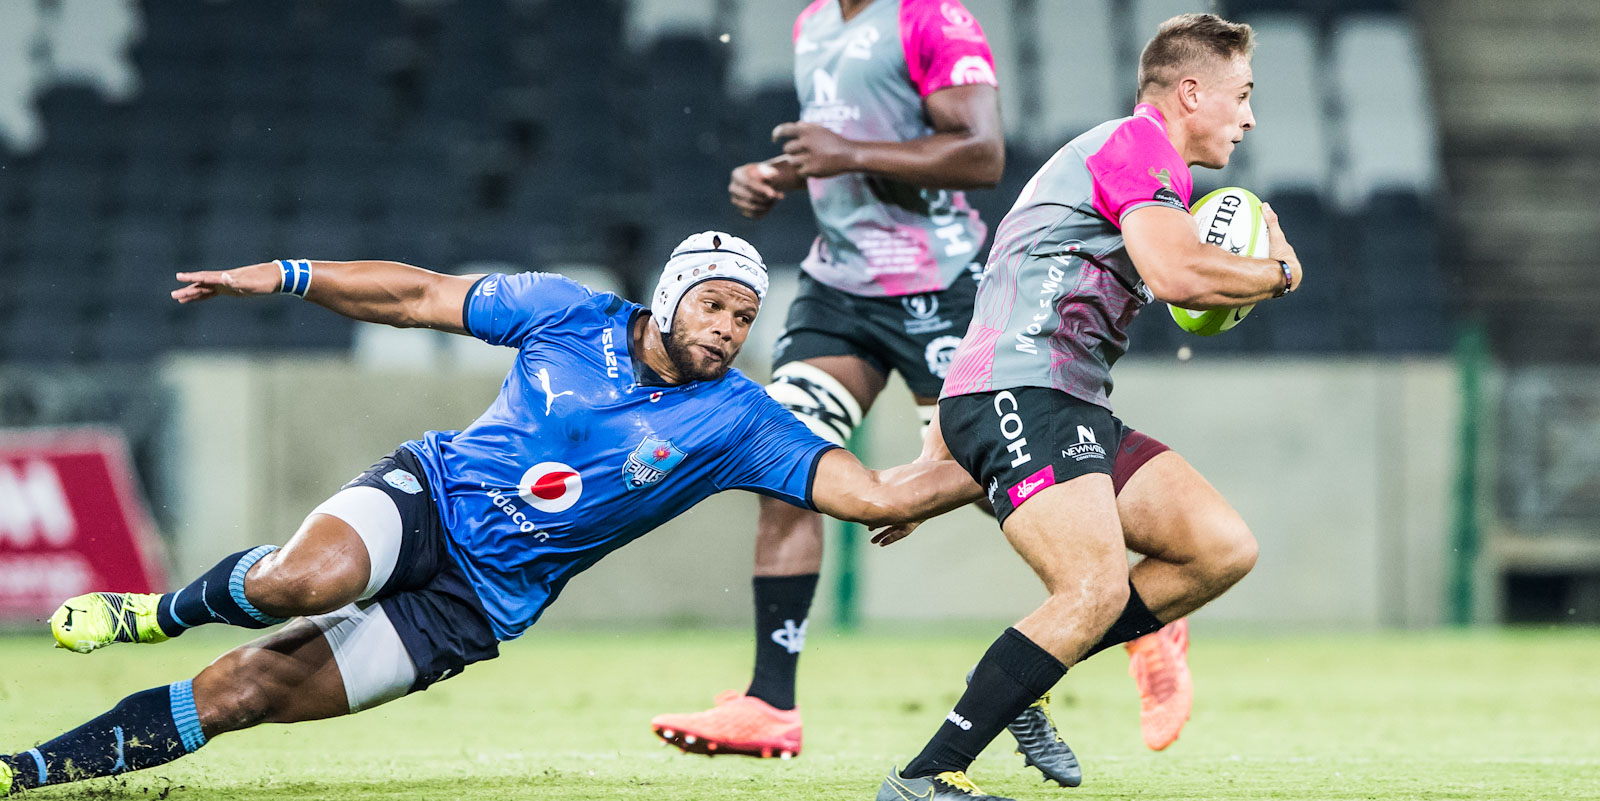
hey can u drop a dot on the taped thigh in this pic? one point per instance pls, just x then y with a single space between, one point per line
817 399
372 660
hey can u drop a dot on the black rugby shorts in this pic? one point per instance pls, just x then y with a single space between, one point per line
915 334
1016 442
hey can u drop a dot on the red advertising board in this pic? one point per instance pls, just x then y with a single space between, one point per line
71 521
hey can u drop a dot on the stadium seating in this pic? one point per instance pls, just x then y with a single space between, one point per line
1080 86
207 134
1389 139
1289 148
20 26
762 47
91 46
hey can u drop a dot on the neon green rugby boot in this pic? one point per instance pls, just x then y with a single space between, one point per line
98 619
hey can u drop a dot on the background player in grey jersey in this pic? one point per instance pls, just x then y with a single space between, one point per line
899 111
1100 231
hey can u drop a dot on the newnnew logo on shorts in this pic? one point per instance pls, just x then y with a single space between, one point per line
1087 447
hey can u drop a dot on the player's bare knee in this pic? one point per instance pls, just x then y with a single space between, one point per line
284 588
1090 596
1239 555
239 690
1230 552
1113 596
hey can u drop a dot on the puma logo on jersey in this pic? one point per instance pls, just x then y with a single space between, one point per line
549 396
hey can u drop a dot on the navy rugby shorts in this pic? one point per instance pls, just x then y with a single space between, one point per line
914 334
428 598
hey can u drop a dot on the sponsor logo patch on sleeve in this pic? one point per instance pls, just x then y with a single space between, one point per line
1170 198
972 69
403 481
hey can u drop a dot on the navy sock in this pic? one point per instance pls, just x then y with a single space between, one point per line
216 597
1134 622
144 730
1012 674
782 606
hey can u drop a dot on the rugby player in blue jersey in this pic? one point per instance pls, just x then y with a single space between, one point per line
614 420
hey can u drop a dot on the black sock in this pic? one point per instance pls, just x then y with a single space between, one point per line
1134 622
782 606
1012 675
216 597
144 730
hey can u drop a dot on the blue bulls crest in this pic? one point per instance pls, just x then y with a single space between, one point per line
650 462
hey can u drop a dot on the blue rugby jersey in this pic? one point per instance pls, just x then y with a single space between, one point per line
575 458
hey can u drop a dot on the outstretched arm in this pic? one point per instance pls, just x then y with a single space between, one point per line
371 291
933 450
846 489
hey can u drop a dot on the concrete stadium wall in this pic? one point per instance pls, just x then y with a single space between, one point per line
1342 468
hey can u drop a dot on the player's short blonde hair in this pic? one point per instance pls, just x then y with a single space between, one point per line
1184 41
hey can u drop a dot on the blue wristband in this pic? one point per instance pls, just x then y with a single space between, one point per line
295 277
1288 280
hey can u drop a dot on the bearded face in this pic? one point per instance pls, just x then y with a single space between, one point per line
708 329
694 361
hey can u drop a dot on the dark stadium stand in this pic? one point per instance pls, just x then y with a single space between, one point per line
508 130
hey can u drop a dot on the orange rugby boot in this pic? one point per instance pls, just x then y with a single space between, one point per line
739 724
1159 662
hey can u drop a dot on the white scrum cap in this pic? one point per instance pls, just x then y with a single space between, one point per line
700 258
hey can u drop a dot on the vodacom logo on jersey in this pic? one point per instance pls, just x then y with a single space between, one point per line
550 487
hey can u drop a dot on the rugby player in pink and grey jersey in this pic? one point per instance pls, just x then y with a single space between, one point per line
899 112
1102 230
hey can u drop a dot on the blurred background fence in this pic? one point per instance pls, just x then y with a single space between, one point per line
1415 437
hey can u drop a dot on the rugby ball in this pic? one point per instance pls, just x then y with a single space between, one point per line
1229 218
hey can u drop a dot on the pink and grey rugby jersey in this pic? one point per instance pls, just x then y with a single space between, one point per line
865 80
1059 290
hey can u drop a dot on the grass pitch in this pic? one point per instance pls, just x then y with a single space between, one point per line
1475 715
